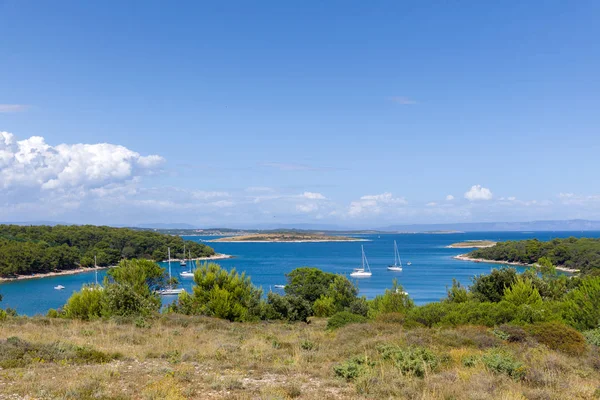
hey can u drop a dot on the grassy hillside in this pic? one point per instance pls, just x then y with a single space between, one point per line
178 357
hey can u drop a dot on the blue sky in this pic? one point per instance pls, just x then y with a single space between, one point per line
357 114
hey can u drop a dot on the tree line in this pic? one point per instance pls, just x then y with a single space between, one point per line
502 297
578 253
38 249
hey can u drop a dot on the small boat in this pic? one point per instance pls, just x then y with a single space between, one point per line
59 287
409 263
397 262
279 286
183 262
365 270
170 290
188 274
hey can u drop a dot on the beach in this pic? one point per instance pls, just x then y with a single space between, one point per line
83 270
463 257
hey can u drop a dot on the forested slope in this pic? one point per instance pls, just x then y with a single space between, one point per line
582 253
39 249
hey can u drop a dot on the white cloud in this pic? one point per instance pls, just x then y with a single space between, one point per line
13 108
431 204
313 196
32 163
375 204
477 192
204 195
449 197
511 198
307 208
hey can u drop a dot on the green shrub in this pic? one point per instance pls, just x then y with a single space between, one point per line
52 313
222 294
417 361
324 306
582 305
3 315
593 336
470 361
289 307
491 287
121 300
353 368
344 318
394 300
86 304
522 292
308 283
558 336
502 362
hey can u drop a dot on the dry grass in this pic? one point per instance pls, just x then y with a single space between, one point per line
181 357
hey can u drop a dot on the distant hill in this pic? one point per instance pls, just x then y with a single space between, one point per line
174 225
536 226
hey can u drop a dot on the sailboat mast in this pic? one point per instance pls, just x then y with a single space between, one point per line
169 253
96 269
362 249
190 258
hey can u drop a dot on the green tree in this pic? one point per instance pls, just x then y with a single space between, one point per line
308 283
582 305
221 294
522 292
491 287
394 300
86 304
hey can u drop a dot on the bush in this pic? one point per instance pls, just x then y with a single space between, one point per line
558 336
522 292
513 333
417 361
593 336
502 362
308 283
344 318
582 305
394 300
221 294
289 307
86 304
491 287
353 368
3 315
324 306
121 300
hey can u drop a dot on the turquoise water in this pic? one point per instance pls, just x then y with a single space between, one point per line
425 280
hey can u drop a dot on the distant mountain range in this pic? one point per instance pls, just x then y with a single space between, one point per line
535 226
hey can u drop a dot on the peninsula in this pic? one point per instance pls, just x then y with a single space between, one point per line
281 237
472 244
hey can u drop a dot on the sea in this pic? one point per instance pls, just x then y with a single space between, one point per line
426 279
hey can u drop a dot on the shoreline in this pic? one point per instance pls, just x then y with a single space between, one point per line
463 257
215 257
83 270
286 241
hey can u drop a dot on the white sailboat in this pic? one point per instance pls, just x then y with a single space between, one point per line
190 273
170 290
59 287
397 262
183 262
365 270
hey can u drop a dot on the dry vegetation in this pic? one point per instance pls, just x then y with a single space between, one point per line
177 357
